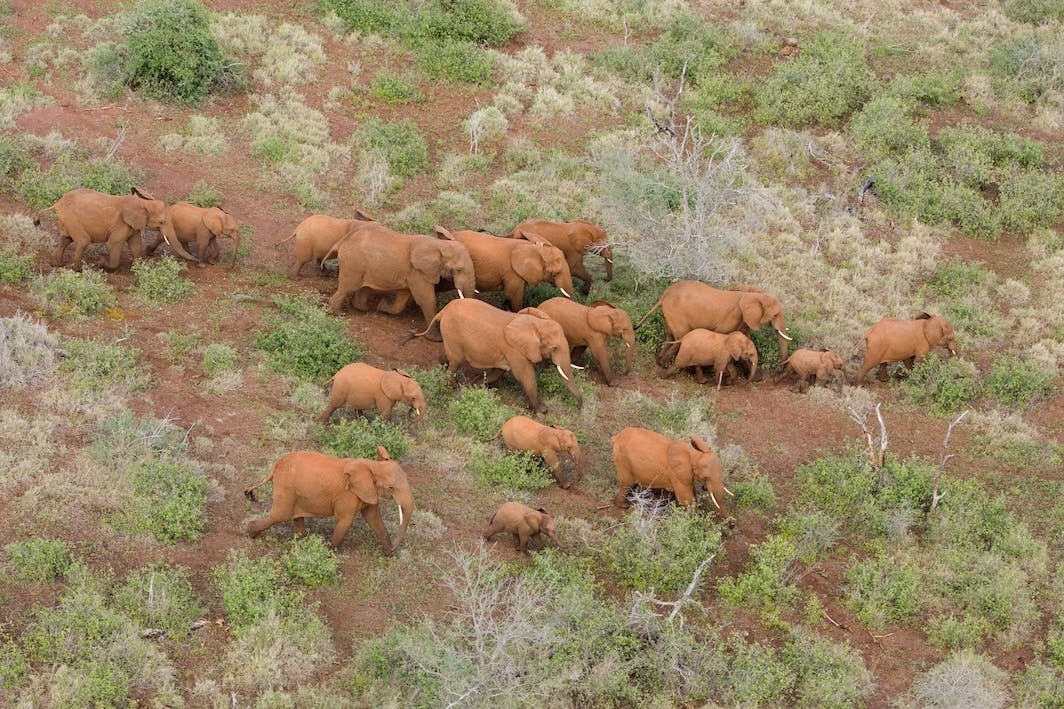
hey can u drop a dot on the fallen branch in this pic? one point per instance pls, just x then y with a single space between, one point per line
835 622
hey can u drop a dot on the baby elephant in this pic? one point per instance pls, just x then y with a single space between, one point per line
362 387
521 521
821 365
556 445
701 348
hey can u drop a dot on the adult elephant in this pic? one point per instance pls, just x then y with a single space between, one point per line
651 460
484 337
575 238
309 484
588 326
316 235
202 226
511 264
892 340
375 257
687 305
90 217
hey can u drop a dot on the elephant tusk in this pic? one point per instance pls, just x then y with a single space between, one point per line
728 491
628 345
609 261
577 366
784 335
476 291
564 293
715 503
400 514
417 411
460 294
561 372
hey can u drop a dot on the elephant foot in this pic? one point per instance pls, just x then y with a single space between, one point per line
201 264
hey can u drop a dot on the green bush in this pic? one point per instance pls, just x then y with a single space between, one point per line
38 560
1041 685
95 366
400 144
1028 67
935 87
661 553
690 41
204 195
756 675
359 438
393 88
15 157
455 62
944 386
66 292
830 79
71 170
1017 383
307 343
15 267
483 22
170 500
1030 199
509 471
883 590
14 665
954 279
161 281
768 579
952 632
828 674
478 412
251 590
884 127
170 52
1035 12
310 562
436 383
160 596
219 358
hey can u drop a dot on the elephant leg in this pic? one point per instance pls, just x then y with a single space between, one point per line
910 362
136 245
493 529
299 526
424 294
577 352
333 406
522 538
866 367
384 408
525 374
882 376
81 240
576 268
493 375
344 290
514 291
150 249
257 527
620 498
602 356
372 515
295 268
396 304
60 249
213 252
700 375
114 249
803 384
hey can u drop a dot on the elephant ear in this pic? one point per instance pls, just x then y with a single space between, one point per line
599 319
934 330
382 453
443 233
364 215
427 258
678 456
214 220
924 316
533 237
135 214
402 373
143 194
698 444
392 386
602 303
359 480
534 312
523 337
753 311
528 263
736 345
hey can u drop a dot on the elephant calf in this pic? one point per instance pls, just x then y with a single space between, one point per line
651 460
700 348
588 326
891 340
362 387
552 443
521 521
819 365
316 235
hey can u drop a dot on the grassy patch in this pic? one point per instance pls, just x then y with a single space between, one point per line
1018 383
509 471
310 562
96 366
882 590
306 342
393 88
400 144
160 596
251 590
478 412
944 386
169 501
203 194
160 281
359 438
71 170
15 267
38 560
66 292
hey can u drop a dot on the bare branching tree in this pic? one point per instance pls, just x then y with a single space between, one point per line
877 445
937 496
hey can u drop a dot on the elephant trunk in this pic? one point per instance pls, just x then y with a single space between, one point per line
629 349
465 282
564 282
170 236
607 256
781 332
405 500
753 365
236 249
561 361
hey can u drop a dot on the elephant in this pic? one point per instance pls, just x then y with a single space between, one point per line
588 327
309 484
552 443
87 216
373 256
651 460
820 365
892 340
509 264
521 521
316 235
701 347
690 304
484 337
361 386
202 226
574 238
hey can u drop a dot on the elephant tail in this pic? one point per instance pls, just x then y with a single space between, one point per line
335 250
250 492
37 216
668 352
649 312
432 332
287 238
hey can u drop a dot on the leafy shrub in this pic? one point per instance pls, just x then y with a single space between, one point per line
38 560
27 351
510 471
935 87
957 278
71 170
951 632
1030 199
95 366
661 552
393 89
1017 383
308 343
161 281
484 22
1042 685
14 157
478 412
436 383
756 675
884 127
400 144
456 62
1035 12
359 438
66 292
15 267
171 53
690 41
218 358
768 579
127 438
828 80
943 385
13 665
828 674
204 195
160 596
251 590
170 499
309 561
882 590
1029 67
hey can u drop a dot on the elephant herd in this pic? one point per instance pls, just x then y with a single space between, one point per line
383 269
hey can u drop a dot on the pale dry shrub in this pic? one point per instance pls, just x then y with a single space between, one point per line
486 124
308 397
27 351
552 86
29 441
202 135
277 653
95 407
859 399
508 103
241 33
455 170
621 16
292 56
374 178
783 152
76 495
427 526
1038 321
18 234
224 383
961 681
549 103
1013 292
18 98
